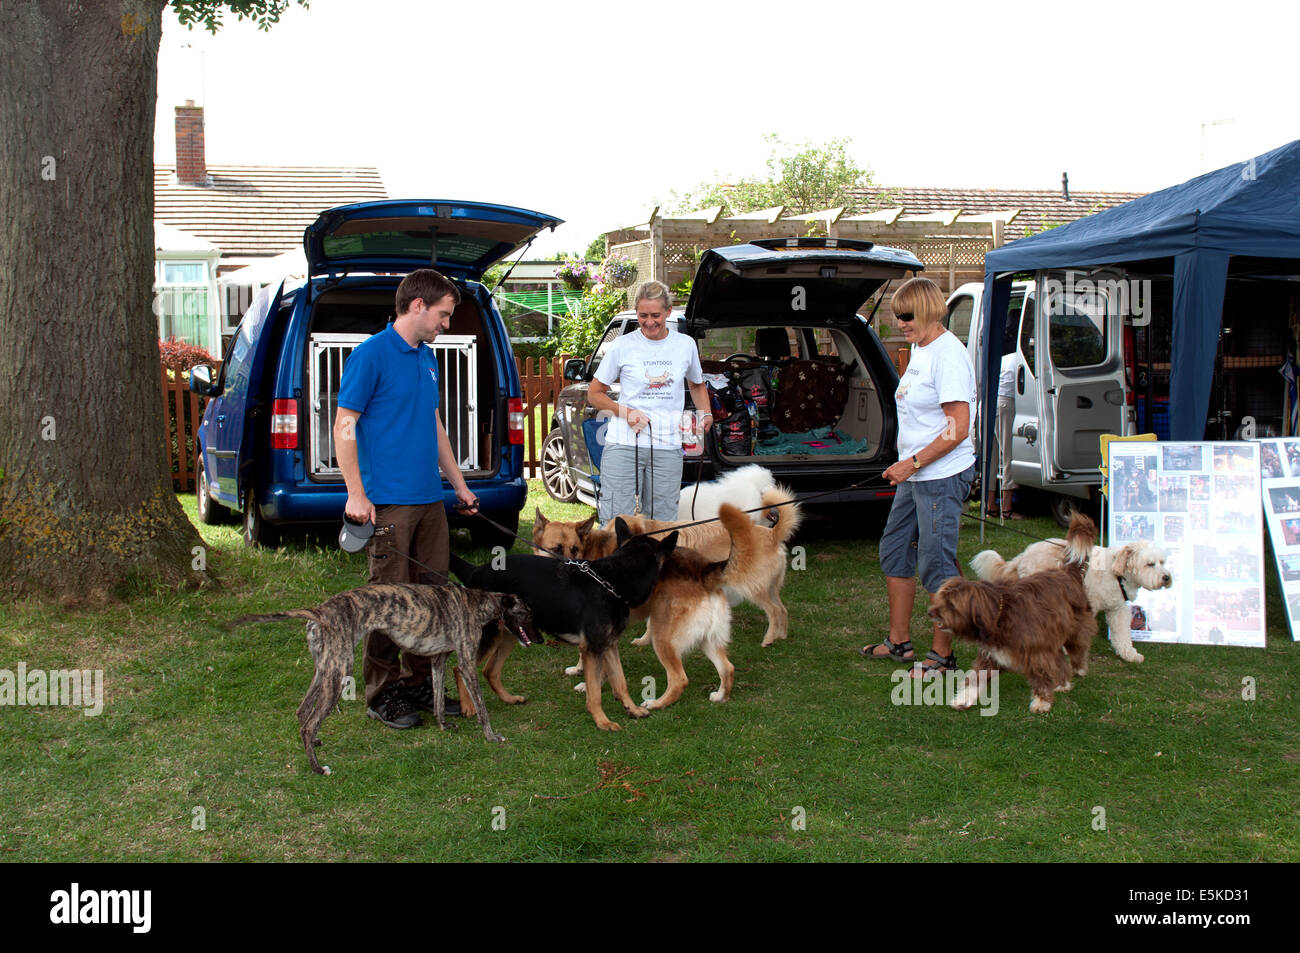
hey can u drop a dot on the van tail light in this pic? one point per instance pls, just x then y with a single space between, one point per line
284 425
515 424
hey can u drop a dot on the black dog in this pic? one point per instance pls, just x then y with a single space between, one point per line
582 602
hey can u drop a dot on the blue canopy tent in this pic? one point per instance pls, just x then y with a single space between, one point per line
1249 209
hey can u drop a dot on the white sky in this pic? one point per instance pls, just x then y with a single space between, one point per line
575 109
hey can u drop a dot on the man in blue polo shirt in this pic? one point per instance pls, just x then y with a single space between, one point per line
391 444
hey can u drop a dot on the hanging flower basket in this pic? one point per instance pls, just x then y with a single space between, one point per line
619 271
574 274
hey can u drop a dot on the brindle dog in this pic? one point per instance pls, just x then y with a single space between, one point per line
424 620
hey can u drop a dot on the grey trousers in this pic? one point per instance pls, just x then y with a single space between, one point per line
619 482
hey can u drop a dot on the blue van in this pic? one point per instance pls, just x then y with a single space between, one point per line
266 443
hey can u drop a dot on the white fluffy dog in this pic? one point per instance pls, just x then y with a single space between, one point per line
1114 576
743 488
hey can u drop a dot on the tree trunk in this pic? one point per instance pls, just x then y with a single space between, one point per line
86 497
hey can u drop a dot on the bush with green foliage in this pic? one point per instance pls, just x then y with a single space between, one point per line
579 331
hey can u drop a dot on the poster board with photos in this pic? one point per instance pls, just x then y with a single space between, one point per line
1279 473
1199 503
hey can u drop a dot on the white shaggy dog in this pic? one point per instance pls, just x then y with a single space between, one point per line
743 488
1114 576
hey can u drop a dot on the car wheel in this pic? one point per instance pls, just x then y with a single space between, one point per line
211 513
486 536
556 476
257 531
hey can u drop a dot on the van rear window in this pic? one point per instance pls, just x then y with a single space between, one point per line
457 249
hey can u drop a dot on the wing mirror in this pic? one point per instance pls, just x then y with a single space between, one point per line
201 380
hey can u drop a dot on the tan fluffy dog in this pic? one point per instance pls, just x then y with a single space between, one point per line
1114 576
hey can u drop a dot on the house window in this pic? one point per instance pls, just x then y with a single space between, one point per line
184 303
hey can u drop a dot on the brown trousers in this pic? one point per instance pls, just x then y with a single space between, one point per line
400 531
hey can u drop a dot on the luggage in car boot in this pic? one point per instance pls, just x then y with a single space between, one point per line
811 394
754 381
734 435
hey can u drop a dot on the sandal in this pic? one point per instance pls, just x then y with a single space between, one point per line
1012 515
934 665
898 651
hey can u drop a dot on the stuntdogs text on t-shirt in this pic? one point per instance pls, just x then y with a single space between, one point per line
652 377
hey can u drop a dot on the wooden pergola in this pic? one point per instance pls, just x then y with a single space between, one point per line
950 243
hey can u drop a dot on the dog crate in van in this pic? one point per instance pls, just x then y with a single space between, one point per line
457 356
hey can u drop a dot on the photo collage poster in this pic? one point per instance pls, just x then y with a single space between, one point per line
1199 502
1279 472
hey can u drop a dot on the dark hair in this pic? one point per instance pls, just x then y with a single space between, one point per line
427 285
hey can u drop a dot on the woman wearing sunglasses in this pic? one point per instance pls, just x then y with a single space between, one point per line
935 468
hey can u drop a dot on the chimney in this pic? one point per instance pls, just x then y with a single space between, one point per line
191 164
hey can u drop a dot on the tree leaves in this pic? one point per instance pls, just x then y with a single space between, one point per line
265 13
801 176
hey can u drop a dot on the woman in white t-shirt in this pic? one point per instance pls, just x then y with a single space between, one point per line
642 459
934 472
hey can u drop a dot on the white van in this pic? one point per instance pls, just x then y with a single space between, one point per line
1069 392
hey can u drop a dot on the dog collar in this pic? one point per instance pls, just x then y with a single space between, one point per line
583 566
1123 591
1002 603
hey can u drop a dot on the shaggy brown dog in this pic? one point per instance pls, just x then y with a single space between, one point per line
1041 625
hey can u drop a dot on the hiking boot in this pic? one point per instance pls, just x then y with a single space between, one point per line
391 707
421 696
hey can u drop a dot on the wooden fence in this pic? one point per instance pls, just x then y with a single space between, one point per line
182 413
541 380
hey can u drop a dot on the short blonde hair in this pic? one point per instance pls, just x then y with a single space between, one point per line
922 298
654 291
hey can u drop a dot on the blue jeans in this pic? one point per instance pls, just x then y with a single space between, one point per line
922 528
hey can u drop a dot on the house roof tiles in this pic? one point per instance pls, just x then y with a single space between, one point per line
1038 207
256 211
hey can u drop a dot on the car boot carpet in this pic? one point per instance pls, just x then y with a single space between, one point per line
823 440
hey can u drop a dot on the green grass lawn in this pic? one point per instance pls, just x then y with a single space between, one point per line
810 760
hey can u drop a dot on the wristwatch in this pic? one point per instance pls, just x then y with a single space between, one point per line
916 464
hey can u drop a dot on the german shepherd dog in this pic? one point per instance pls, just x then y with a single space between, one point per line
423 620
690 605
586 603
757 579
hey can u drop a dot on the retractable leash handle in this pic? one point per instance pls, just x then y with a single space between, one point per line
355 534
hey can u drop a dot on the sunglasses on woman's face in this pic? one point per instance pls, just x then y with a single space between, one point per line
905 316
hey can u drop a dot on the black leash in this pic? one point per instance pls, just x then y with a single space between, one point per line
636 466
1006 528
